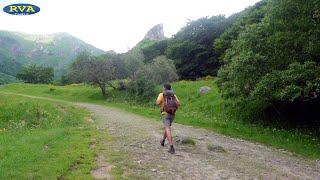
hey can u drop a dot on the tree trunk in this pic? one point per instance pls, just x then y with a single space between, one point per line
103 89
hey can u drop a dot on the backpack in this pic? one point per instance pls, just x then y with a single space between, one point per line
170 102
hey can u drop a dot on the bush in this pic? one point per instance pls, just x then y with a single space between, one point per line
123 84
206 78
142 89
299 82
52 88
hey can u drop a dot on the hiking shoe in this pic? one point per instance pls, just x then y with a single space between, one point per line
162 142
171 150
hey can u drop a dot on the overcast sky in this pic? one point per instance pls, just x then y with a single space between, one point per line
114 24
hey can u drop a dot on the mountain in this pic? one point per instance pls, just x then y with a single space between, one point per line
56 50
5 79
155 33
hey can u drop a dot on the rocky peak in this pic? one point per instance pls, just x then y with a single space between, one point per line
155 33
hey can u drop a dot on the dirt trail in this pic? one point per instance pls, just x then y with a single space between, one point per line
139 137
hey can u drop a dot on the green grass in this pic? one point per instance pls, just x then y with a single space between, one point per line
204 111
44 140
188 141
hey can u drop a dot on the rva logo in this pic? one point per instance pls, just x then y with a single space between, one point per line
21 9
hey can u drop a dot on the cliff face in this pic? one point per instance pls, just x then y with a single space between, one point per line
155 33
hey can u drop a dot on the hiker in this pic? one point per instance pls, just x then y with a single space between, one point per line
169 103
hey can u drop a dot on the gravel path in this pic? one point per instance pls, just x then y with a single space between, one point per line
228 158
137 139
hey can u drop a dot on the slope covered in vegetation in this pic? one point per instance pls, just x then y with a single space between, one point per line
271 67
5 79
55 50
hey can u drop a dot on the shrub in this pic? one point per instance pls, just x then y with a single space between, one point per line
205 78
188 141
123 84
74 85
52 88
142 89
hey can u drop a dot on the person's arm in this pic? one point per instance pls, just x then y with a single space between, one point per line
159 99
178 102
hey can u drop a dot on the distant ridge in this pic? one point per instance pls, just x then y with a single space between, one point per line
57 50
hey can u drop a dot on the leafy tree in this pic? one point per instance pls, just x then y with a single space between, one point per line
300 82
133 60
36 74
250 15
274 62
160 70
99 70
143 83
156 49
191 48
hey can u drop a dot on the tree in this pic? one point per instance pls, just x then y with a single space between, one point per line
191 48
143 83
133 60
156 49
99 70
36 74
160 70
250 15
273 64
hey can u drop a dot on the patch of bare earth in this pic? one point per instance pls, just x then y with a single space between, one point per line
103 170
213 156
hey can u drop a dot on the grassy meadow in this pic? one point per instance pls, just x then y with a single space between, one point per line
204 111
41 139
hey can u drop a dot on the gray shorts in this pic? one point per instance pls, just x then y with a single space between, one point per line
167 120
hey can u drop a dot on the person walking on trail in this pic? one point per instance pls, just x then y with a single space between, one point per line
169 103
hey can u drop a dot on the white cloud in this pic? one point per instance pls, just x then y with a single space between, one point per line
114 24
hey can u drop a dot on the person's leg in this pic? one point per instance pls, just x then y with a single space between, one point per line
164 134
168 135
164 137
165 123
169 120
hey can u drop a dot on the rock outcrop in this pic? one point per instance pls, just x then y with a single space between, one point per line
155 33
204 90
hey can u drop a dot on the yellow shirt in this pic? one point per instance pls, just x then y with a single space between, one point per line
160 101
